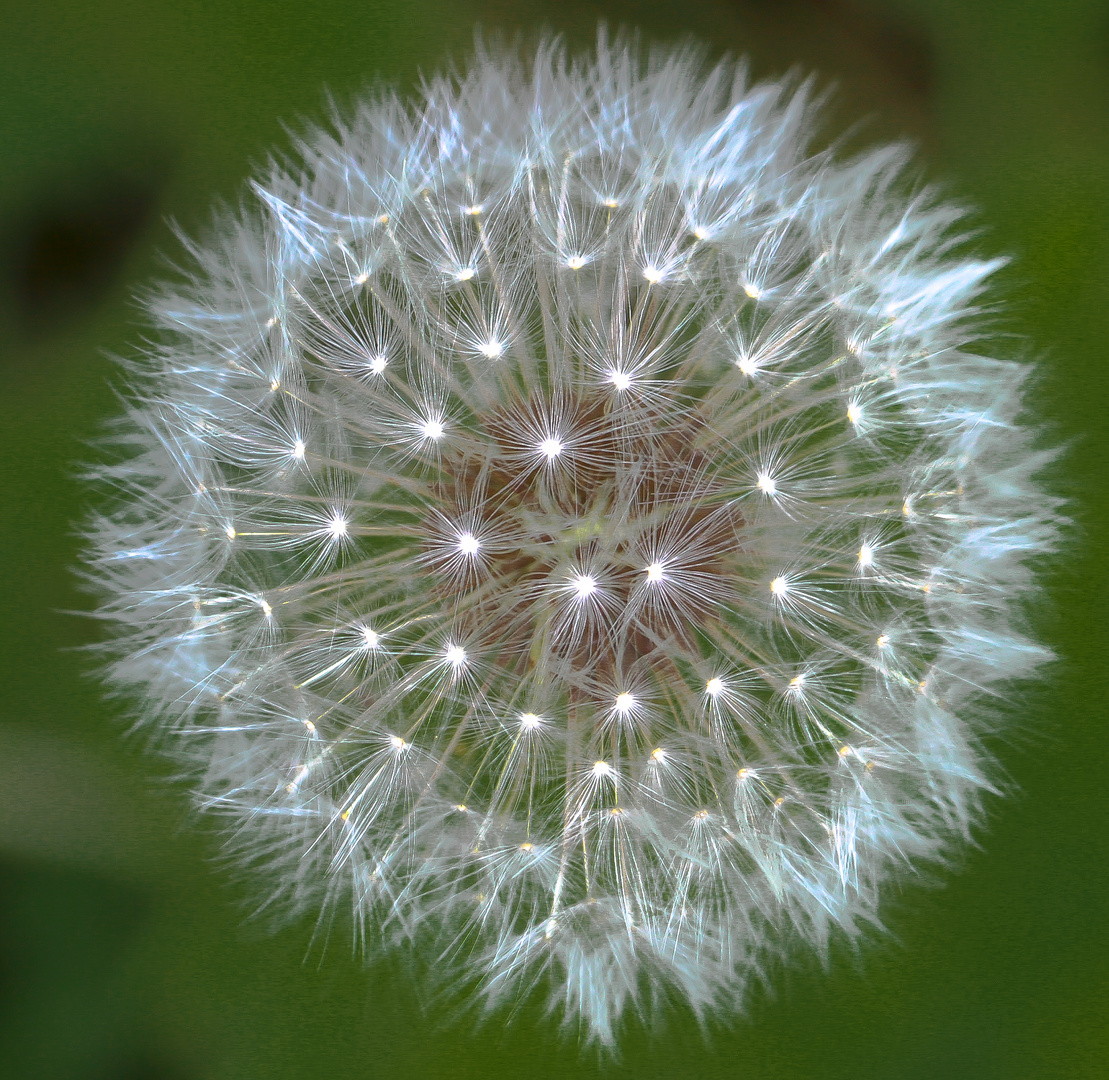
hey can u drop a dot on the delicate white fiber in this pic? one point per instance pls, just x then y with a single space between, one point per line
567 523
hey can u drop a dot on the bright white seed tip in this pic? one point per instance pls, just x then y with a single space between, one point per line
633 450
468 544
624 703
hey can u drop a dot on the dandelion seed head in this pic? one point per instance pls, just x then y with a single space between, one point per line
750 434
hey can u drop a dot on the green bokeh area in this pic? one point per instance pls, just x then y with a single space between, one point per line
125 951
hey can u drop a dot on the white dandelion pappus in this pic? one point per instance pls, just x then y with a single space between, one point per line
569 525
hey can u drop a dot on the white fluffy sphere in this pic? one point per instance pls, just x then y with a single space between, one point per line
569 522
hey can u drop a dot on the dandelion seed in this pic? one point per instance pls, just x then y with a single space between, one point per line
624 704
550 448
468 544
619 472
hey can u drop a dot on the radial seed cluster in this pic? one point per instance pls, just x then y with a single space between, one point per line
563 523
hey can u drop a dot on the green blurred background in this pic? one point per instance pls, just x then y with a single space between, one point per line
124 954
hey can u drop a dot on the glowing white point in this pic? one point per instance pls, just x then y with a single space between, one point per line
714 687
779 586
797 683
653 274
432 429
747 365
310 726
468 544
753 291
529 721
624 703
654 571
230 532
397 743
465 274
854 412
602 768
550 448
474 210
362 278
883 640
455 655
700 234
298 449
612 203
584 586
575 262
767 485
337 527
370 638
620 379
491 349
866 555
658 754
378 363
266 609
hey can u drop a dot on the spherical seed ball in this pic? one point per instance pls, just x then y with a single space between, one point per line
568 522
